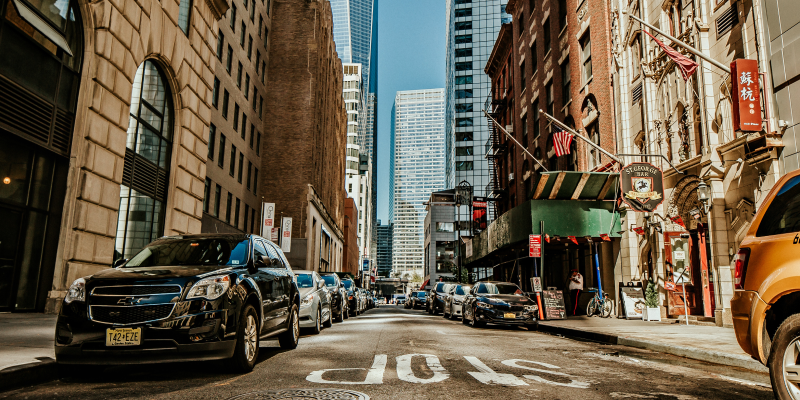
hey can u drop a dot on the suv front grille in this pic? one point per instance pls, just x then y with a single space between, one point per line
130 315
135 290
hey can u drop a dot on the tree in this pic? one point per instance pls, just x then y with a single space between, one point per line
464 273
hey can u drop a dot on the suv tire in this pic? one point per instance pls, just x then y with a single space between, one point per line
784 344
245 353
329 322
288 340
318 324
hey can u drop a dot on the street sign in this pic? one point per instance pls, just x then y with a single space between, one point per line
268 222
534 246
745 95
286 239
642 186
536 283
365 266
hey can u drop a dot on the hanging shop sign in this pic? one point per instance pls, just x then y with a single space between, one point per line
479 216
745 96
534 246
642 186
286 238
268 221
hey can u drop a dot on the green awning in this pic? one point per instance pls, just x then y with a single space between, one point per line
570 185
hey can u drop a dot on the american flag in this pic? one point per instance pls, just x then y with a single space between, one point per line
561 142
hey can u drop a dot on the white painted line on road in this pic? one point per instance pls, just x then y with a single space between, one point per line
405 373
488 376
573 384
374 374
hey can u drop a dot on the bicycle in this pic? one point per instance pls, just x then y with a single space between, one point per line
603 307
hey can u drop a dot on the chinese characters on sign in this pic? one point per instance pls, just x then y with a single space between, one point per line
745 96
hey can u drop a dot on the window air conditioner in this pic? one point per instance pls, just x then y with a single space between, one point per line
510 128
510 176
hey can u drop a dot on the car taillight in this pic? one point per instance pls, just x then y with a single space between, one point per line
740 267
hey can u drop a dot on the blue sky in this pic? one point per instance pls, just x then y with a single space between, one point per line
411 55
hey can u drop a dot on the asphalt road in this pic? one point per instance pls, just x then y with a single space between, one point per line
392 353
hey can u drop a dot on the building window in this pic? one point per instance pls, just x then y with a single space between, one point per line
534 58
464 52
244 125
239 76
463 80
586 57
220 44
463 12
464 66
207 195
233 161
462 26
521 21
233 17
463 165
212 137
463 136
594 154
464 151
461 108
549 92
241 167
252 10
249 173
225 97
462 122
221 160
525 131
246 86
464 93
236 213
546 29
463 1
462 39
241 35
217 200
215 94
184 15
255 181
536 122
566 80
143 192
522 78
228 208
562 14
229 63
260 24
235 117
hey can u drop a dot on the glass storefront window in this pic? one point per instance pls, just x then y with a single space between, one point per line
445 256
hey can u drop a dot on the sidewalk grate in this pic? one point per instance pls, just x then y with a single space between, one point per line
289 394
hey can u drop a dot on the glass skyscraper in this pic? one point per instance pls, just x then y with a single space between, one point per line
352 32
417 169
472 28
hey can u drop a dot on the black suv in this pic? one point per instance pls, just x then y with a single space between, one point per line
435 302
500 303
338 295
191 297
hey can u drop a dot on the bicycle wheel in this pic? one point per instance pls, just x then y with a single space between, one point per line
607 309
591 308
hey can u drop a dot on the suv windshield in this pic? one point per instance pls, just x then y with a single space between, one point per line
462 290
201 251
502 288
330 280
347 284
421 295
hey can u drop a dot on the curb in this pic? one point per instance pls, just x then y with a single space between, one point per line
716 357
28 374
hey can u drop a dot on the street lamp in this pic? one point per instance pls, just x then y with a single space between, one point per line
704 195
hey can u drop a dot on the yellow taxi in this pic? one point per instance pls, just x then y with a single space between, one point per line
766 301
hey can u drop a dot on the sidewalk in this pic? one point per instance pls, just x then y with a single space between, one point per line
706 343
26 349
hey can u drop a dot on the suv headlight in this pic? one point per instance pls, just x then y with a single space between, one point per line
209 288
76 291
307 301
533 308
484 305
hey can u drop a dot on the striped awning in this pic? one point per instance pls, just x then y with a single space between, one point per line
572 185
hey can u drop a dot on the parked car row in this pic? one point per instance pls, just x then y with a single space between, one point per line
497 303
198 297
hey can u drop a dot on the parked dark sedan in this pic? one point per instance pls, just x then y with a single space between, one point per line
500 303
338 296
435 302
418 299
353 298
192 297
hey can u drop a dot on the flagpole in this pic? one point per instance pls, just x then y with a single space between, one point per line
682 44
515 140
570 130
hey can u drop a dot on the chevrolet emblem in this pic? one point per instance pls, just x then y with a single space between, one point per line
129 301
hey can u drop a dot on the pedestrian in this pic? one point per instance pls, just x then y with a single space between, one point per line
575 288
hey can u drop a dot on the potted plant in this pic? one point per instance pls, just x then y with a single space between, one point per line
651 311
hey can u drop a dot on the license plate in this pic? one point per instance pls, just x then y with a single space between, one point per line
509 315
124 337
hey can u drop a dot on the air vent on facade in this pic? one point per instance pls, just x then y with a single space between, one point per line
636 94
726 21
25 114
62 131
142 175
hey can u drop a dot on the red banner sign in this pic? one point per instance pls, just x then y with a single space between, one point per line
745 95
534 246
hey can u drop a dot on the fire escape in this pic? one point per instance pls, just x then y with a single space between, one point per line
496 147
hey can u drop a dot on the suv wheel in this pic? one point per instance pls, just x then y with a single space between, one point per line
318 324
784 359
288 339
329 322
246 351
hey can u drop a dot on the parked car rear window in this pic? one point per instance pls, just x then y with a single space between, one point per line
330 280
304 281
462 290
347 284
209 251
783 214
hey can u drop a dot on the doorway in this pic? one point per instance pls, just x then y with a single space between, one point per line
683 268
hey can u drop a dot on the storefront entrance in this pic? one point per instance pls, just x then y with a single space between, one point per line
684 269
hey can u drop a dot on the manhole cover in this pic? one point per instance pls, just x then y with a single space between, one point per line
288 394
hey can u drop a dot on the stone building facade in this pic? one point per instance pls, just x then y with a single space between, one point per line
101 160
232 203
306 133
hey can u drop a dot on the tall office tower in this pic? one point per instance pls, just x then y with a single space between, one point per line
353 101
352 32
417 170
372 130
384 252
232 203
472 27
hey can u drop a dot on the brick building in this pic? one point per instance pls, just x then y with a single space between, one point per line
232 203
110 133
351 251
305 133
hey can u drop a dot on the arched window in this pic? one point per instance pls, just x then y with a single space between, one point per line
149 146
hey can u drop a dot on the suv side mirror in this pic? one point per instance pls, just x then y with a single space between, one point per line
119 262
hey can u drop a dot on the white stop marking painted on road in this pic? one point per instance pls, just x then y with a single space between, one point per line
374 374
405 373
488 376
573 384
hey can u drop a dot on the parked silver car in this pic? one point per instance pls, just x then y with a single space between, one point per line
315 301
453 300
